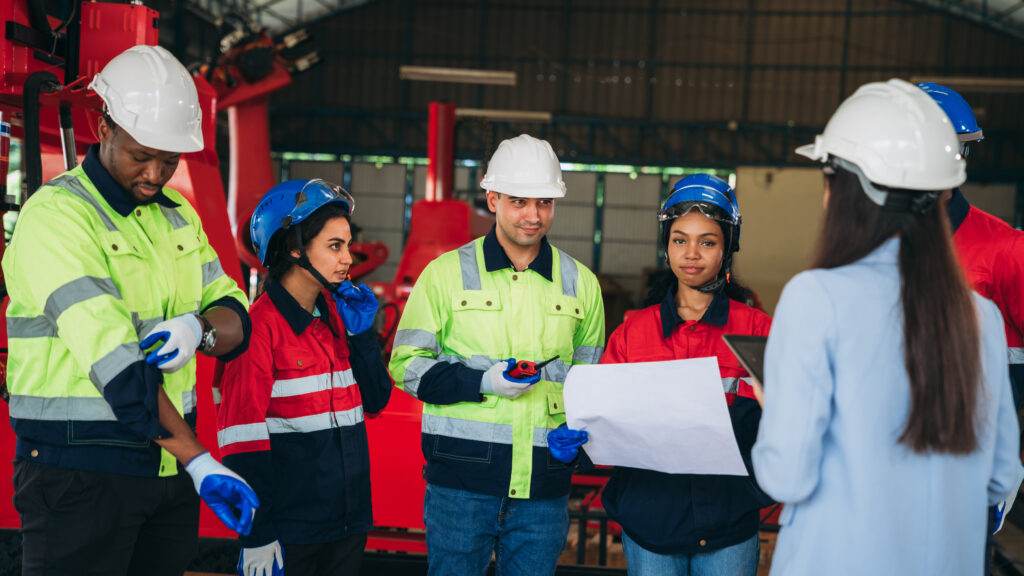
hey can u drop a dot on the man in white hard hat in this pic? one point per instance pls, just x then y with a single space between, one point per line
114 288
477 320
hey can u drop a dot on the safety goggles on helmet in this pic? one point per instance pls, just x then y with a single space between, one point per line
710 211
712 196
315 194
288 204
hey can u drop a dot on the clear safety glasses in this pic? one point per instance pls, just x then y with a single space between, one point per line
683 208
322 192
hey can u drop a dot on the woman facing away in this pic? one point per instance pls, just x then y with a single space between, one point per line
888 428
687 524
291 414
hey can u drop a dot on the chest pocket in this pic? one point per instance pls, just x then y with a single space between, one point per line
562 316
475 317
292 363
188 272
128 269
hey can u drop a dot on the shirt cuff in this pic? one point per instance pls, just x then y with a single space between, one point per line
243 315
133 395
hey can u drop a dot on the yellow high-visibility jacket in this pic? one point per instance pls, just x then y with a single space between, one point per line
86 284
468 311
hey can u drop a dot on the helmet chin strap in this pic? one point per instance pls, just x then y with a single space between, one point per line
718 284
303 261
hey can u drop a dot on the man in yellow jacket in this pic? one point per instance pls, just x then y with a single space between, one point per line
114 288
492 484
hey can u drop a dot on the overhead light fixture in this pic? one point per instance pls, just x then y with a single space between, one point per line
503 115
458 75
974 83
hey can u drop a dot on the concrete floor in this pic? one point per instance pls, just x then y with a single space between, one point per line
1009 559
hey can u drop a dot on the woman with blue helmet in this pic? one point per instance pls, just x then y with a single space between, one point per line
291 411
688 524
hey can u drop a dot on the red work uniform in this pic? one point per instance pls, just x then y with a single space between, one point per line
291 421
689 513
991 253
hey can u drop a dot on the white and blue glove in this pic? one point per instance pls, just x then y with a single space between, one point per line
1002 510
496 381
180 337
265 560
224 492
564 443
356 306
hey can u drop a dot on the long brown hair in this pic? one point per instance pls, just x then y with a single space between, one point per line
940 326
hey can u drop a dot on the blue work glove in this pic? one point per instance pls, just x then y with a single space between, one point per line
356 306
265 560
180 337
497 381
224 491
564 443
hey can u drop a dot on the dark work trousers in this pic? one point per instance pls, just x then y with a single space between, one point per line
339 558
990 540
76 522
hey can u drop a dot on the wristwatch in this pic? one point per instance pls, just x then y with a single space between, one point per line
209 337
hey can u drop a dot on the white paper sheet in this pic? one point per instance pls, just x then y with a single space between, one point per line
665 416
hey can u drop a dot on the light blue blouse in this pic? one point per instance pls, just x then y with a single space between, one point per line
836 401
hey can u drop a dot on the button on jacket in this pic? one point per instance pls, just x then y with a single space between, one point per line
469 310
992 255
690 513
90 272
857 501
290 420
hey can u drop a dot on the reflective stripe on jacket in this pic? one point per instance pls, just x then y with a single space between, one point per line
690 513
460 313
86 284
290 421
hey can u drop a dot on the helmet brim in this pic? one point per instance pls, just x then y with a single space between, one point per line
810 151
179 144
525 191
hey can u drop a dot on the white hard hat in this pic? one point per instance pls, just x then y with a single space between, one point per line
526 167
152 96
896 135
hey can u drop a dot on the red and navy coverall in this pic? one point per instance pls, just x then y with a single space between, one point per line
291 421
991 253
687 513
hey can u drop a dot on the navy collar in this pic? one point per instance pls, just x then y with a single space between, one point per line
957 209
717 313
116 196
295 315
496 259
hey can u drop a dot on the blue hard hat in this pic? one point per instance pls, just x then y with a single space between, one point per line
957 109
288 204
709 194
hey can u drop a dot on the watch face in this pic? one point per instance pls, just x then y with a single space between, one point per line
209 340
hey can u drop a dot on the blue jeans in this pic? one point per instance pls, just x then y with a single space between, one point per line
464 528
736 560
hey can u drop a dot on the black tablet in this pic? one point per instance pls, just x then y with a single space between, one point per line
749 350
